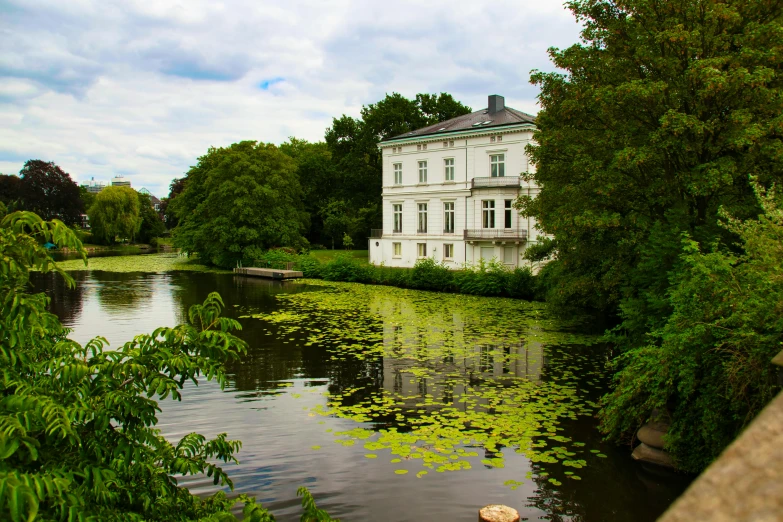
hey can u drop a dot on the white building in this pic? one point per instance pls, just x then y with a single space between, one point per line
449 189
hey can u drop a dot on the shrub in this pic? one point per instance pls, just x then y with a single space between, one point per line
428 274
483 278
343 268
521 284
309 266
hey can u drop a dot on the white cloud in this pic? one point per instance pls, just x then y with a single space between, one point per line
144 88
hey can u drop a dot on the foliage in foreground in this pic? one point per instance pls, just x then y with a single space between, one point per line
77 436
709 365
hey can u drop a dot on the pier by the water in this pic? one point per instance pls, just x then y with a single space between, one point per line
269 273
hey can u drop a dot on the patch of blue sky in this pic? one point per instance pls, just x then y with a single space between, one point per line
266 84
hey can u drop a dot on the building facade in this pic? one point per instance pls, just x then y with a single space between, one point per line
449 190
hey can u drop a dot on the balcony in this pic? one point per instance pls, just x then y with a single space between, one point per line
494 234
376 233
501 181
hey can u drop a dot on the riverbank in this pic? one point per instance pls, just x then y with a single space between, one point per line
140 263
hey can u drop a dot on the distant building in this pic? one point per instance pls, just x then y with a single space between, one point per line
119 181
153 200
449 191
94 186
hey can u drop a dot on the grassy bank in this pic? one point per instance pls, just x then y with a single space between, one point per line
139 263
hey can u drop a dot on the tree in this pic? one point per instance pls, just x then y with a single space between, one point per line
115 214
78 422
238 201
661 115
151 224
10 189
319 178
709 364
87 197
50 192
175 189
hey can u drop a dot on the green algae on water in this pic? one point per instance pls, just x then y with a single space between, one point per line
451 380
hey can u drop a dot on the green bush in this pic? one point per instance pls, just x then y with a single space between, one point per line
521 284
309 266
428 274
343 268
83 235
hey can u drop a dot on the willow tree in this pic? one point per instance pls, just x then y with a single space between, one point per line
115 214
659 118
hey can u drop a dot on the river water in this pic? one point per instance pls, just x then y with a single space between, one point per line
389 405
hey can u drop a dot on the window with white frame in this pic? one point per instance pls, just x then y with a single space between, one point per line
423 171
508 255
448 217
397 249
448 251
448 169
497 165
507 220
422 218
397 213
398 173
488 213
421 250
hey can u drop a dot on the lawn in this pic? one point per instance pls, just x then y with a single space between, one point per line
327 255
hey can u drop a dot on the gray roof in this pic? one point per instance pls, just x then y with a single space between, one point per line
506 116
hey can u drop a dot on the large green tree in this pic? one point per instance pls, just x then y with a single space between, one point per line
50 192
239 200
115 214
661 115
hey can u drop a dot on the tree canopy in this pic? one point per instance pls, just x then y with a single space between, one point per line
44 188
151 224
238 201
660 117
116 213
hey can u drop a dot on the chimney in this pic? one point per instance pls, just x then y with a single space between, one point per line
496 103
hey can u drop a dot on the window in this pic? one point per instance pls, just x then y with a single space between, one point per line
497 165
508 255
500 138
424 147
448 166
397 212
507 223
418 147
421 249
422 218
488 213
448 217
398 173
397 249
451 143
422 172
448 251
445 144
492 139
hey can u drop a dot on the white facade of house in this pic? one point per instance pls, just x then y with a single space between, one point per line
472 175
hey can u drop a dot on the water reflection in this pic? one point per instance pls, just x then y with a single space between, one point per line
425 352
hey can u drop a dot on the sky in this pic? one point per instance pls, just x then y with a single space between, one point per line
142 88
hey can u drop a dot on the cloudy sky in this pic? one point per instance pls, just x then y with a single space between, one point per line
141 88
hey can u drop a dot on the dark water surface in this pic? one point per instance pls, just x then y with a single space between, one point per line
291 365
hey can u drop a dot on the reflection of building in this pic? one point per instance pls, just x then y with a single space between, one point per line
449 190
442 358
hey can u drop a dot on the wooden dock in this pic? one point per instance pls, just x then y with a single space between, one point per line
269 273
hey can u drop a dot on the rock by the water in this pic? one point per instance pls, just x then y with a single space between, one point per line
646 453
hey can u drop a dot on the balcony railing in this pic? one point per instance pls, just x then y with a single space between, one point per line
501 181
495 234
376 233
